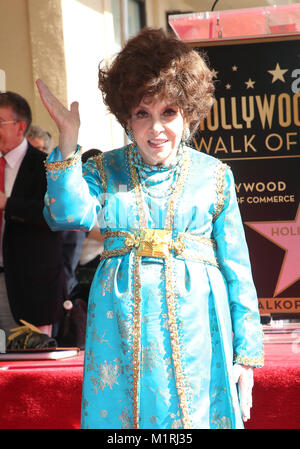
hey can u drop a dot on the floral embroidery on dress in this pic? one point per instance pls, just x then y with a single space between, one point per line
150 357
108 374
123 326
221 422
158 392
85 404
217 393
169 367
110 314
90 168
96 337
125 419
91 314
153 419
53 177
107 281
103 413
176 421
90 366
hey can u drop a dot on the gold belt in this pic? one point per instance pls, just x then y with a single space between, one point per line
158 243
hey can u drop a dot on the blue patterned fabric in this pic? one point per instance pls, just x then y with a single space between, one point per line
162 334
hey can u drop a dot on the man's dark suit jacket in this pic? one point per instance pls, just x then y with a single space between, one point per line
32 253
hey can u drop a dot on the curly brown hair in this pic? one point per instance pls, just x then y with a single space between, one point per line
155 65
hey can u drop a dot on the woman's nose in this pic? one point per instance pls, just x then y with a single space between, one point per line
157 125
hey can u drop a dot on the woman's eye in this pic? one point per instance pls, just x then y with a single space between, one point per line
141 114
170 112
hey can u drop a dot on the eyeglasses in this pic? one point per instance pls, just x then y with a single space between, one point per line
7 122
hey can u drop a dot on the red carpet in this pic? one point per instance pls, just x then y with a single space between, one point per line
47 394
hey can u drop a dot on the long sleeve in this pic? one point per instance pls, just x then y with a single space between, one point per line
233 257
73 195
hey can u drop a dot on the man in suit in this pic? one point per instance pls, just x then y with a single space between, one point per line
32 282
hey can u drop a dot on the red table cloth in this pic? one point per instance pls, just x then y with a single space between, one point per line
42 394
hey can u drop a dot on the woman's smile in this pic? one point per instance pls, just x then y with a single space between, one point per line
157 143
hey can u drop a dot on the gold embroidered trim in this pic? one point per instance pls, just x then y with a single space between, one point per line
249 361
174 338
179 377
256 362
189 255
137 189
198 238
177 191
220 187
108 234
136 344
99 161
107 253
63 165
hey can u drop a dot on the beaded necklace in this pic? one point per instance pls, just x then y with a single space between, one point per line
146 172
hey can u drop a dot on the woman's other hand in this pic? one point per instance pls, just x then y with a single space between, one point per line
67 120
243 376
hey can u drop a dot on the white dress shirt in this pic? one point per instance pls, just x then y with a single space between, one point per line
14 160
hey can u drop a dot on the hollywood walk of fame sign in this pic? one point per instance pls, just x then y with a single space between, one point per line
254 126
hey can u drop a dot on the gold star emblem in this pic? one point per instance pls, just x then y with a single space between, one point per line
278 73
250 84
234 68
228 86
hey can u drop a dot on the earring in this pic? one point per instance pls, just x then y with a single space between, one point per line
129 134
185 135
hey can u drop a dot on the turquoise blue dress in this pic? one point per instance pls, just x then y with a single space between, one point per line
172 305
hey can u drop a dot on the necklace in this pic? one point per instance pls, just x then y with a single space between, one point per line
148 173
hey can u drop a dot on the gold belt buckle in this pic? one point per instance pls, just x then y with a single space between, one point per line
154 243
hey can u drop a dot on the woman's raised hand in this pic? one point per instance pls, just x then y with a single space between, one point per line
67 120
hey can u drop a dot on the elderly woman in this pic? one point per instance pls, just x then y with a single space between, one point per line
173 318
